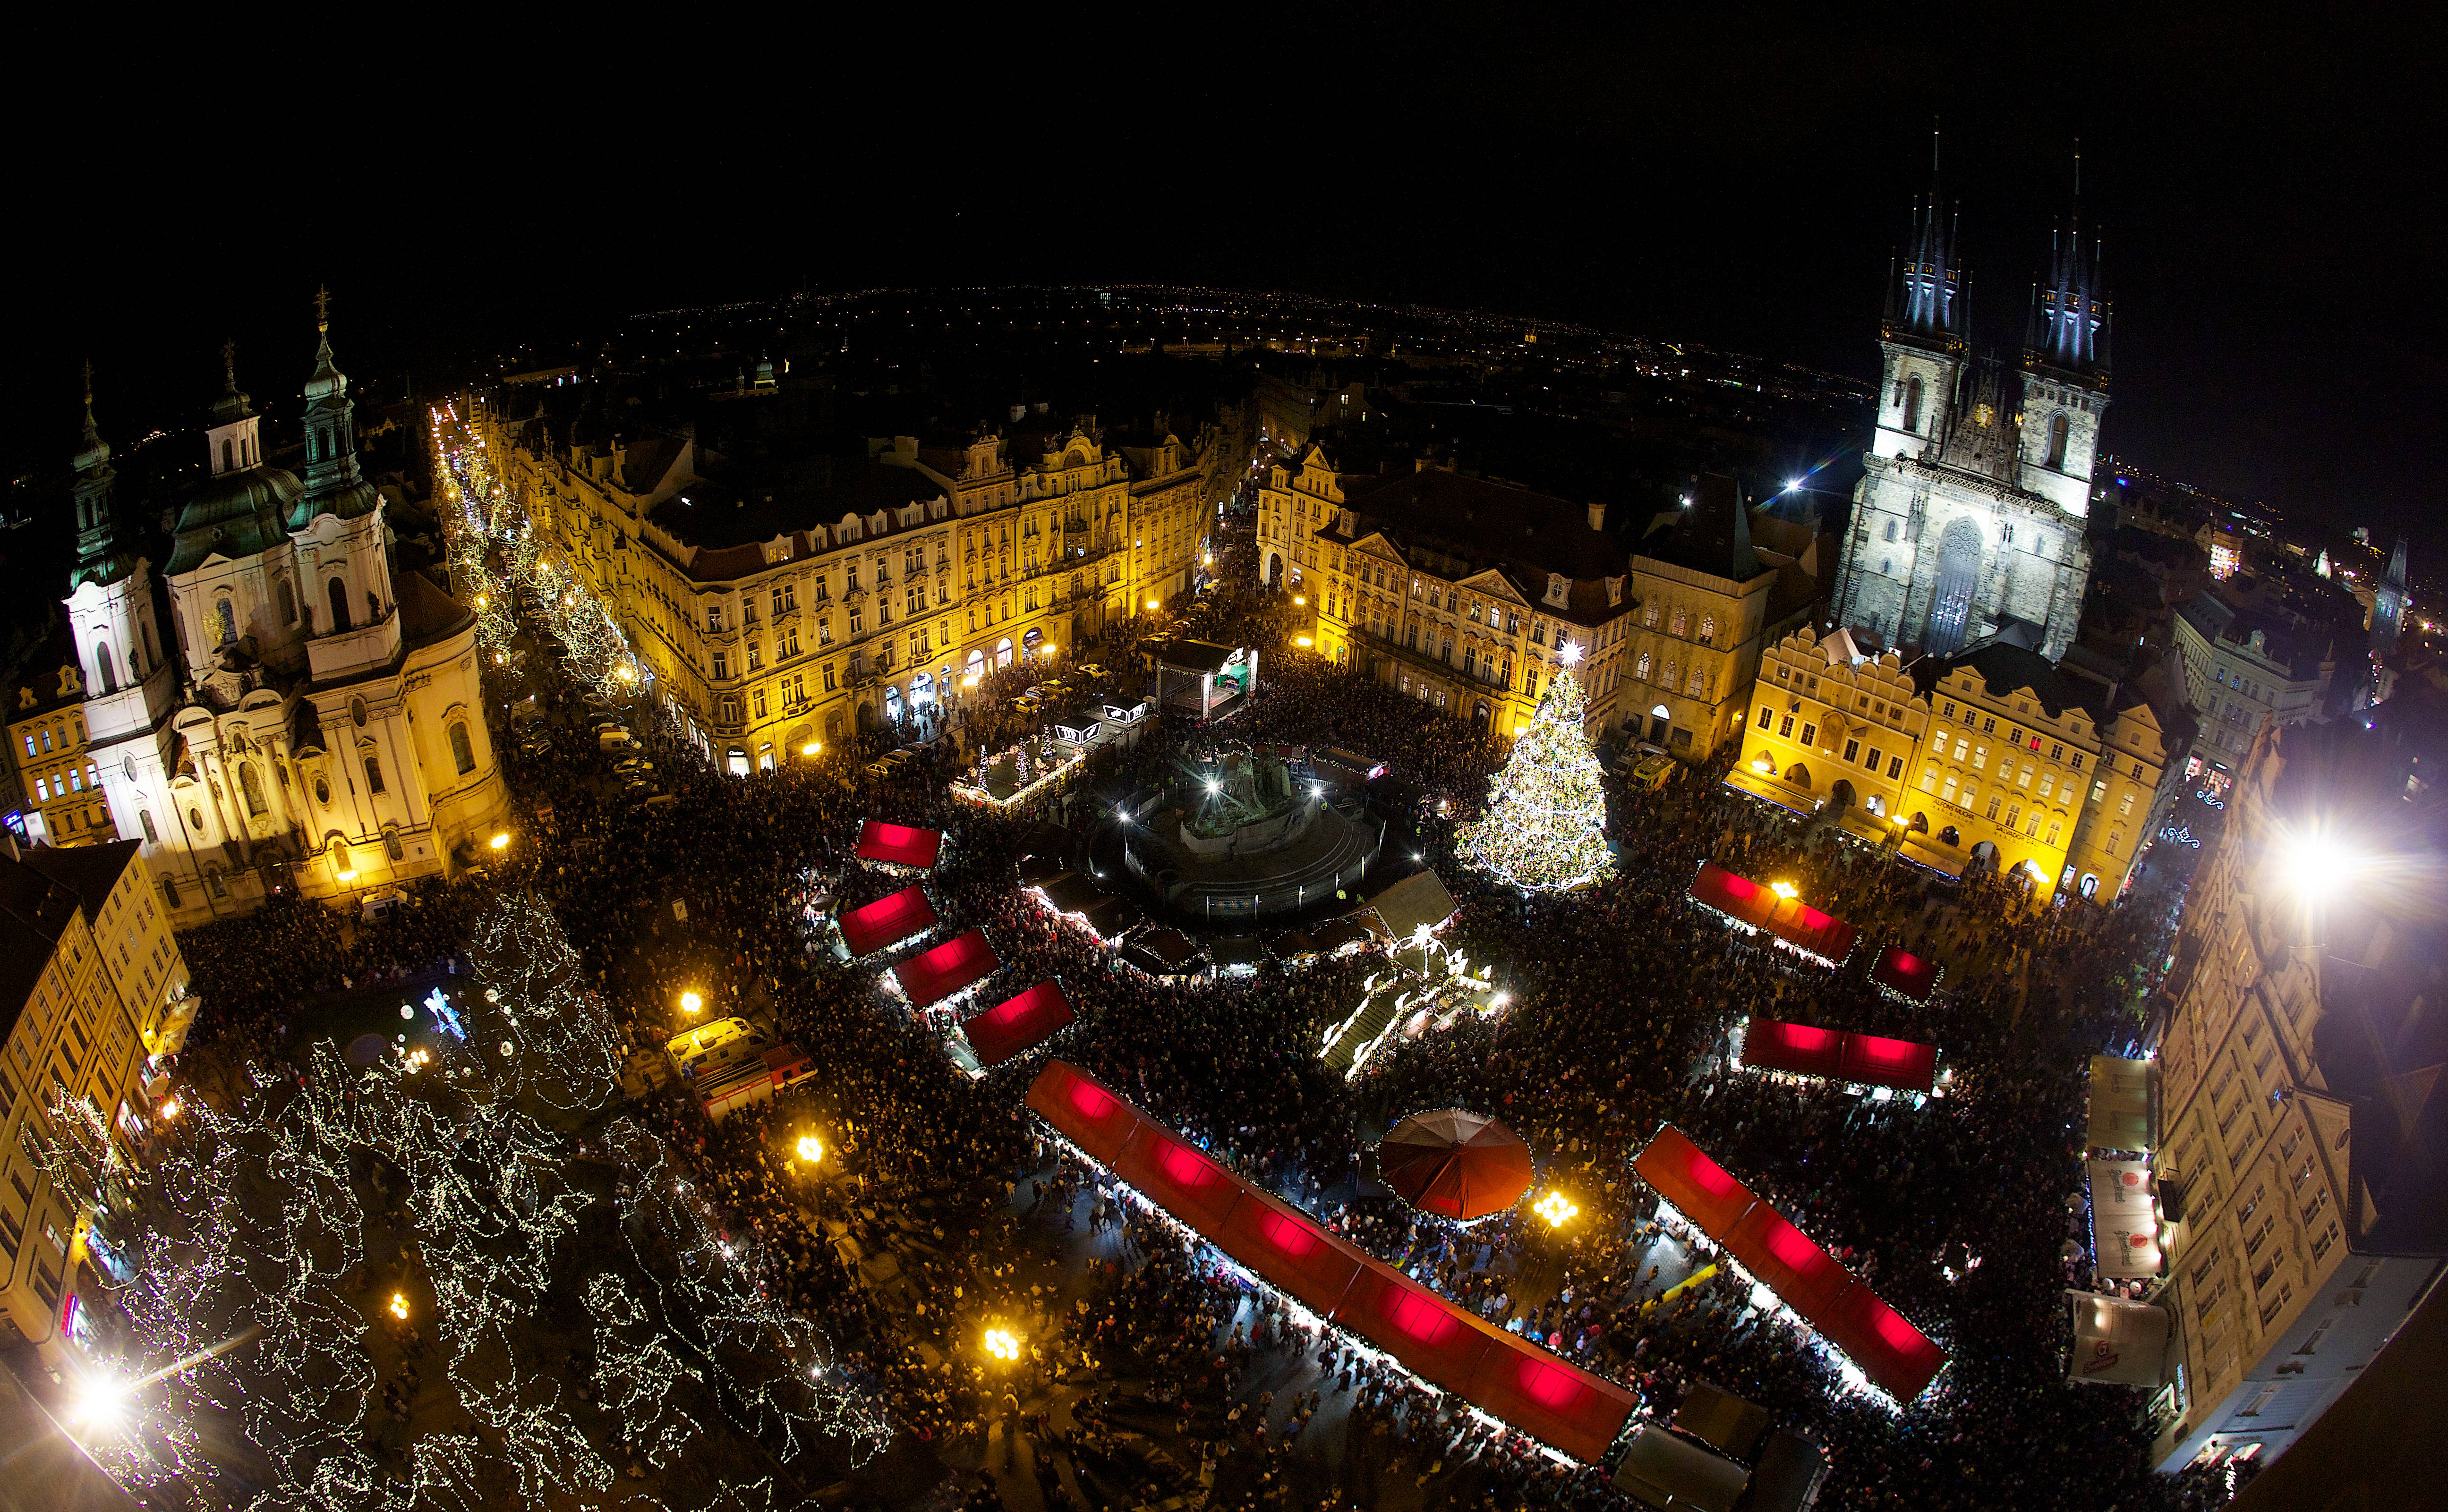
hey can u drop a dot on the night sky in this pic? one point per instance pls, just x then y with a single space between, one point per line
2271 201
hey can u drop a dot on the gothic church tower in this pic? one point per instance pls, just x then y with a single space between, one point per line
1970 515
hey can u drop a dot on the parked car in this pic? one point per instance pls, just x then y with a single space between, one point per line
888 765
616 738
633 766
1090 669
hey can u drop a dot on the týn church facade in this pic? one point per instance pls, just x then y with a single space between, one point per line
303 716
1970 516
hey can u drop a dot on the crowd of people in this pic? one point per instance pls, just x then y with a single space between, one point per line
1621 1002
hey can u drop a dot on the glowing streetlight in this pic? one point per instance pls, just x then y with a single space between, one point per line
1783 890
1003 1344
100 1402
2317 864
1302 639
810 748
1557 1209
1213 786
1154 606
399 1306
502 841
169 1108
691 1002
1793 486
811 1149
1300 600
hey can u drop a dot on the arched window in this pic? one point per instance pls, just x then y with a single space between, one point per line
288 604
2057 428
229 455
1912 403
170 892
392 847
1891 529
252 785
339 596
374 608
462 754
227 613
152 836
1959 575
109 679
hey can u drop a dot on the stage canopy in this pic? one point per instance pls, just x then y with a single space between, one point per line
2120 1104
887 921
1877 1338
1661 1471
1455 1164
898 844
1018 1023
1417 902
1819 935
946 969
1771 1044
1904 974
1508 1377
2116 1342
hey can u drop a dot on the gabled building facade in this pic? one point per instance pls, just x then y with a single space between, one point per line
1990 759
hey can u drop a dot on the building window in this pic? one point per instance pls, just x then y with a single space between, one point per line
373 775
2057 432
227 614
462 751
252 785
145 816
392 847
1912 403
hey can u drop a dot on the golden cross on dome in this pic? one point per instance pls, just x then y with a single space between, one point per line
89 383
322 308
229 361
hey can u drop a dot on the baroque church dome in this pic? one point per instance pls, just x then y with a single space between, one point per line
237 513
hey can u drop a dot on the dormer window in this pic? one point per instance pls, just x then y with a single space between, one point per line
1560 589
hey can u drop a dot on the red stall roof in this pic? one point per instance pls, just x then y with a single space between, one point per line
1875 1336
1088 1115
1786 1260
1692 1181
1771 1044
1018 1023
1517 1381
1576 1411
1431 1336
1170 1170
1797 923
1887 1063
1905 974
1286 1246
899 844
1879 1339
947 968
887 920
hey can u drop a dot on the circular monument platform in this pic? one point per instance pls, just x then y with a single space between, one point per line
1248 840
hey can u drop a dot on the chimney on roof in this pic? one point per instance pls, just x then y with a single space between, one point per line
1598 517
1018 413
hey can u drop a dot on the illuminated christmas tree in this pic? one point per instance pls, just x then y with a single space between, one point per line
1546 823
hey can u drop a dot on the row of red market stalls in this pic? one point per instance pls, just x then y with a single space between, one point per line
1774 909
1872 1059
1895 1355
899 845
1564 1407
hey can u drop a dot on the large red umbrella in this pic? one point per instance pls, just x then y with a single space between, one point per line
1455 1164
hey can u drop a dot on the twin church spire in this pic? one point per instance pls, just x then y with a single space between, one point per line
1928 297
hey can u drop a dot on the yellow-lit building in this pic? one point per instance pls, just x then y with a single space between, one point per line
1462 592
775 624
95 983
46 743
1992 758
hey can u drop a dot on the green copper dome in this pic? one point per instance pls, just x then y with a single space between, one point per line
237 515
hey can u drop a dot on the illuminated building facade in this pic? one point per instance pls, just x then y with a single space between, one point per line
1971 512
63 792
1460 591
779 624
310 717
1992 758
2301 1112
95 984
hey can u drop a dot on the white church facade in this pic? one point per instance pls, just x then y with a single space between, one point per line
308 717
1970 517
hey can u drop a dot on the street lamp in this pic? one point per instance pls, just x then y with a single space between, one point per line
1003 1344
1783 890
810 748
102 1402
502 841
811 1149
1557 1209
690 1002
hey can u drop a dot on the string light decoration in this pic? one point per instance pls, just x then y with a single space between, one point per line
249 1299
1544 829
